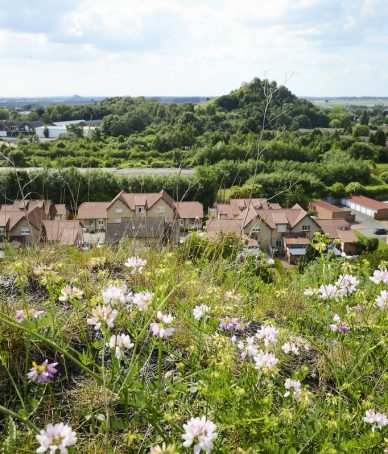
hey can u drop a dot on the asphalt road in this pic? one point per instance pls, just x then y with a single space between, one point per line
365 225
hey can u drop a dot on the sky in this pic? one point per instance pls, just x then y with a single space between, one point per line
192 47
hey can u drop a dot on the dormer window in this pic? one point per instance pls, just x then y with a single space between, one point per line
140 209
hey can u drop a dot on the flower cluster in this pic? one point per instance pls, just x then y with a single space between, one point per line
379 276
201 432
142 300
164 449
338 326
290 347
378 420
113 295
136 264
42 373
101 316
28 314
56 437
119 343
382 300
248 348
293 388
200 312
68 293
347 284
232 324
163 327
268 334
265 360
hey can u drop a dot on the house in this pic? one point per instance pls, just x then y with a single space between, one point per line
13 128
24 227
268 227
295 248
339 229
60 212
233 209
93 216
326 210
145 231
365 205
65 232
54 130
190 214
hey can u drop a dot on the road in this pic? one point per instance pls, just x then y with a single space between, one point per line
128 171
365 225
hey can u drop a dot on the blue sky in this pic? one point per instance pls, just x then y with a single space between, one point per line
192 47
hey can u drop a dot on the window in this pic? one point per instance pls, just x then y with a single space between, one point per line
161 209
181 221
279 243
256 229
281 228
119 210
101 222
140 209
305 228
2 230
24 231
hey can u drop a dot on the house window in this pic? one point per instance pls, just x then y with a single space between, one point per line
279 243
281 228
181 221
119 210
161 209
2 231
305 228
140 209
101 222
24 231
256 229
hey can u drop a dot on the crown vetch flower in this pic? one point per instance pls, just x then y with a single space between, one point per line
102 315
164 449
232 324
42 373
201 432
338 326
119 343
200 311
290 347
269 334
265 360
142 300
382 300
329 292
379 276
162 328
56 437
378 420
113 294
292 387
21 314
69 292
248 349
136 264
347 283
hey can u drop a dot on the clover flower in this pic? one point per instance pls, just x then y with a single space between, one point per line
382 300
265 360
347 284
29 314
113 294
136 264
164 449
68 293
309 292
119 343
338 326
269 334
378 420
329 292
40 269
201 432
248 349
379 276
232 324
162 328
290 347
56 437
42 373
102 315
200 311
142 300
293 388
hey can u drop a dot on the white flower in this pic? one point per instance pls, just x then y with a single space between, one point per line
379 276
309 292
290 348
56 437
265 360
248 349
269 334
137 264
200 311
330 291
347 283
119 343
162 329
200 431
102 315
378 420
69 293
142 300
382 300
293 385
113 295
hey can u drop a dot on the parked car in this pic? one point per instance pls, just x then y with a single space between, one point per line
380 231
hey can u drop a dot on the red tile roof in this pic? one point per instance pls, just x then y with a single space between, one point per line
189 210
369 203
93 210
328 206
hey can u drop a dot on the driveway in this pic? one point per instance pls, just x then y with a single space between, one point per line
365 225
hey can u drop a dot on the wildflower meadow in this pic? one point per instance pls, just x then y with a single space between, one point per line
190 350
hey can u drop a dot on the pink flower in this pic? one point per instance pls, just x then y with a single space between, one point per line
21 315
136 264
378 420
42 373
56 437
382 300
162 328
293 385
268 334
265 360
338 326
102 315
232 324
379 276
